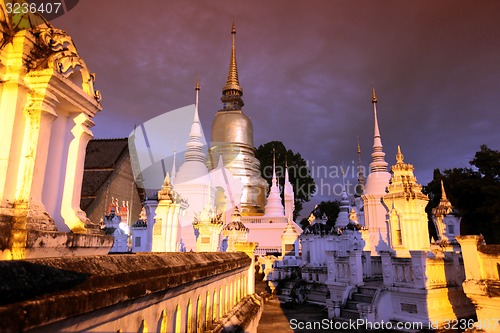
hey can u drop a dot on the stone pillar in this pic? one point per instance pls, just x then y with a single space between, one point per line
368 264
419 266
168 212
150 207
472 263
13 97
249 249
73 216
39 116
356 264
387 272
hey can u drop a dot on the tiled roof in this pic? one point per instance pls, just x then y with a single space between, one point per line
100 160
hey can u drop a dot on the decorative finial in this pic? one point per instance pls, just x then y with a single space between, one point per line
378 163
233 82
197 86
174 172
399 156
274 164
197 90
443 193
361 179
343 174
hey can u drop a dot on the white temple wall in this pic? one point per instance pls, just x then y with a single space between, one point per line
375 221
196 195
482 283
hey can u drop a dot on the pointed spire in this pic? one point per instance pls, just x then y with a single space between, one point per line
274 167
197 90
344 198
361 179
194 146
174 172
444 207
232 75
166 190
274 207
378 162
443 192
374 94
399 156
232 91
287 180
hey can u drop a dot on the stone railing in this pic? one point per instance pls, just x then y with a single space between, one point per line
261 219
262 251
376 266
490 257
160 292
482 262
441 272
342 269
402 272
421 271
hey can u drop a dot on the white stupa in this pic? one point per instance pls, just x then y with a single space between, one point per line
274 207
192 180
376 184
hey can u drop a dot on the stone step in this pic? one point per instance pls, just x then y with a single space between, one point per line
352 305
367 290
362 298
349 314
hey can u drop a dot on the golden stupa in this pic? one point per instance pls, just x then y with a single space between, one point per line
232 137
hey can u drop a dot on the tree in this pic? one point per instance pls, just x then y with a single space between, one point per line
329 208
300 178
474 192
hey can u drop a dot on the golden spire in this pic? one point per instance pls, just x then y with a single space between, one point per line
232 82
443 193
374 95
399 156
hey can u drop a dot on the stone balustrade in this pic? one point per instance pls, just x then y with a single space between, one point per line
376 267
402 272
263 219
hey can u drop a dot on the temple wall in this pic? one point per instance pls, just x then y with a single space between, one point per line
46 110
482 280
167 292
120 185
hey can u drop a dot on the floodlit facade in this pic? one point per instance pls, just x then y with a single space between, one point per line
47 105
231 184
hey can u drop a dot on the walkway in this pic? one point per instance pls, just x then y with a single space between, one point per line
280 319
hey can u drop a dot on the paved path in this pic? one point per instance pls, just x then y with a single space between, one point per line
280 319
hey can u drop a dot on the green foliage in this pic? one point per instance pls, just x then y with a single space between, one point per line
474 192
300 177
329 208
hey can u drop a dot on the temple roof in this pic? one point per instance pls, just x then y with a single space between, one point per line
102 158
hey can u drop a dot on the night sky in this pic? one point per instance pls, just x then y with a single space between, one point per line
306 69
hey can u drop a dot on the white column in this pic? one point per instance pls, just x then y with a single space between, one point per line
39 118
73 216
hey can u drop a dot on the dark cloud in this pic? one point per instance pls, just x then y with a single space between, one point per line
306 69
